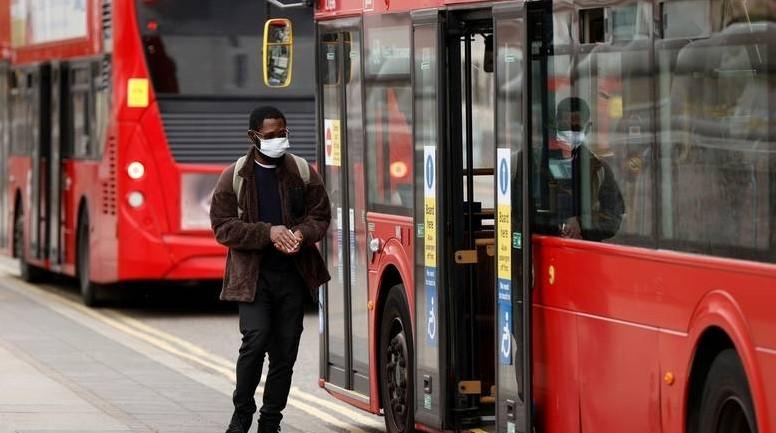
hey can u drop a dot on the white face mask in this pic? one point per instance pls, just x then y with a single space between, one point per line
274 147
573 138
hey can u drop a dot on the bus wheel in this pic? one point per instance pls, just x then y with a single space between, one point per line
726 405
396 363
88 288
29 273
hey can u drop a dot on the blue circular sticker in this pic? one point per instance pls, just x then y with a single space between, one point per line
503 176
430 171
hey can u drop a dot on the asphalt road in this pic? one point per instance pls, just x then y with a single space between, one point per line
153 359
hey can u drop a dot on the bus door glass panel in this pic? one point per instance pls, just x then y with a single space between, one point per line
345 300
508 110
429 387
388 109
59 129
41 157
716 84
357 230
5 125
82 144
335 295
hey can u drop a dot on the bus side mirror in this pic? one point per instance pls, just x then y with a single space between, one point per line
278 49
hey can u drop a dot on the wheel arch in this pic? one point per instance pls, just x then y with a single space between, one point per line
719 324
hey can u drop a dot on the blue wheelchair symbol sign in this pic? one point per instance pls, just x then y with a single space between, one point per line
430 171
503 176
505 333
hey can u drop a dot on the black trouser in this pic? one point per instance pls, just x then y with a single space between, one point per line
272 324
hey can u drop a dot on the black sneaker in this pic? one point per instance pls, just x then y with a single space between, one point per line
240 423
263 428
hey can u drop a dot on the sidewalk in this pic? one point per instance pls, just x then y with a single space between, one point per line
35 398
61 374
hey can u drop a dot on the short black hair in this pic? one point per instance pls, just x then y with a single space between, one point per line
258 115
574 104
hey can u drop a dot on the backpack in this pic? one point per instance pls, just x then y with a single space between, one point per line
237 181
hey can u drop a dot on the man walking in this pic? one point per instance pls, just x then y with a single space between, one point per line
269 209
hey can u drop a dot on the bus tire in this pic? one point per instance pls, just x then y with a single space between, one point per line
28 272
89 290
726 403
397 363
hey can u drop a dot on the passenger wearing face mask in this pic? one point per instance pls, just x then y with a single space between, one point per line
587 202
269 208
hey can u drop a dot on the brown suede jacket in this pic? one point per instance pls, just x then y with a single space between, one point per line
305 207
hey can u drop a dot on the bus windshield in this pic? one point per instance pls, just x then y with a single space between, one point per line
201 48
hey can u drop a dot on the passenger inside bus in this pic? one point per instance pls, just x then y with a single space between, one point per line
584 199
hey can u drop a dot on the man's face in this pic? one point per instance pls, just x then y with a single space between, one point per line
270 128
570 121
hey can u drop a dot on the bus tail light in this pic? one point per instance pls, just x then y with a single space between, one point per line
136 170
135 199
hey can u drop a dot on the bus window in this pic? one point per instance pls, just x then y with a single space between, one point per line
81 109
22 96
200 47
388 113
577 194
614 80
716 145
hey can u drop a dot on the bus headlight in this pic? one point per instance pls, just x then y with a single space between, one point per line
135 199
136 170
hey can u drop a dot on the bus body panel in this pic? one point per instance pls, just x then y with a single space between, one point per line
634 301
396 252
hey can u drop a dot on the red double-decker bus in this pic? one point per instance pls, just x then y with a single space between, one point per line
551 216
117 117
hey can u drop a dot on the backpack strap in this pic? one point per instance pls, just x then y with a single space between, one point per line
237 182
303 167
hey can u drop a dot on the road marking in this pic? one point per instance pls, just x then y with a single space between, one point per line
229 366
193 353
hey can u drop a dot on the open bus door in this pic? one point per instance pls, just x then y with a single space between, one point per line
456 155
523 41
431 300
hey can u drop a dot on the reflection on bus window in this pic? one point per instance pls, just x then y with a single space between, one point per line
388 113
716 101
583 197
616 80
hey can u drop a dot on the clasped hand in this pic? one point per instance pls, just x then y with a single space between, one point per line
285 240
